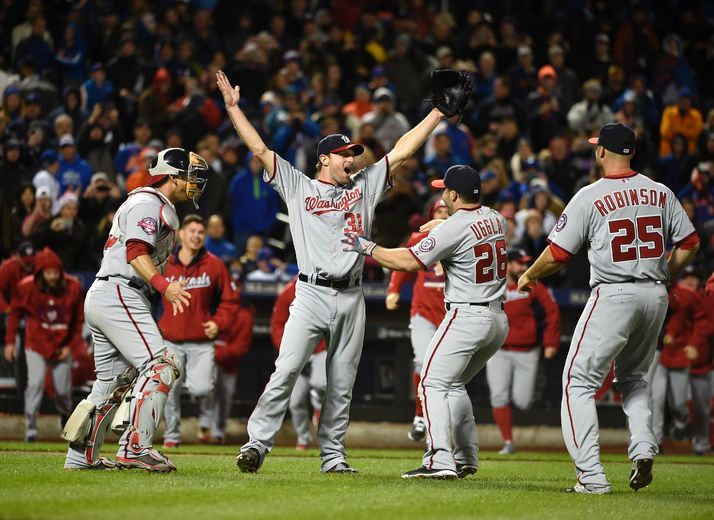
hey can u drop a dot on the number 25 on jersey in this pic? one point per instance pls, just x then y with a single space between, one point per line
627 233
491 261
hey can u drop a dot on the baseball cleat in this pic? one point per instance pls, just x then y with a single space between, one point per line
641 474
103 464
589 489
301 447
508 448
248 460
170 445
152 461
418 431
342 468
438 474
464 470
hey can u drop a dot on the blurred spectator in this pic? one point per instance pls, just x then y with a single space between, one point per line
254 204
36 45
484 77
126 73
355 110
462 142
31 109
64 233
705 153
13 270
498 107
615 86
97 89
568 82
95 144
700 190
406 66
636 42
669 167
534 238
71 57
545 113
142 135
599 64
590 114
490 188
47 177
100 198
154 102
267 268
13 173
12 102
295 137
559 168
681 118
138 168
63 125
536 198
389 124
444 156
74 172
524 74
23 204
72 106
216 242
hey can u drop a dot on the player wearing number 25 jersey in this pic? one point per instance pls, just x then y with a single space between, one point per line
627 220
471 247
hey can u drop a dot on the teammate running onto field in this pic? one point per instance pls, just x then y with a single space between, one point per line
627 220
471 247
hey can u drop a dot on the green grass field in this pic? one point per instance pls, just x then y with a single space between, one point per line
289 486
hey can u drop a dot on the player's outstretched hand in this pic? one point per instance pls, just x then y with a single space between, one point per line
177 295
392 301
525 284
425 228
231 94
358 243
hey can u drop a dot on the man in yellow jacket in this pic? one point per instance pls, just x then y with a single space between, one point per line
680 118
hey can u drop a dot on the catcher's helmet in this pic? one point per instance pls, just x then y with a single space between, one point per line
180 163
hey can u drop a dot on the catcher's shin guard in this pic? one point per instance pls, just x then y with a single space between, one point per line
86 427
147 404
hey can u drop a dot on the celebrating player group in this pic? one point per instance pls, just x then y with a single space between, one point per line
627 220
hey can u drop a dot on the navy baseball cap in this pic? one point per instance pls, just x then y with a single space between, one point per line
336 143
518 255
616 138
460 178
49 157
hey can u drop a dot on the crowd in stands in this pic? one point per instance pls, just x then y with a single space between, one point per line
90 91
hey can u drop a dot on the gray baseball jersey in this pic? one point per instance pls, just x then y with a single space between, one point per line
628 222
320 213
147 215
471 246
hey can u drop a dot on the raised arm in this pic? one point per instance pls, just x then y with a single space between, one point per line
231 96
413 139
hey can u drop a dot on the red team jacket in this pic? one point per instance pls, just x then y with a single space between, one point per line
10 275
281 312
213 297
687 324
53 319
521 311
428 295
233 342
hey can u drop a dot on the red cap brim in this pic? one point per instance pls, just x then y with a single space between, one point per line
358 148
593 140
438 183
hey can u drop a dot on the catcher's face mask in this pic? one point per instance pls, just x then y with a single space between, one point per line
195 177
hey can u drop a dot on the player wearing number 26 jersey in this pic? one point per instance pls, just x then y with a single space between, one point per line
471 247
627 220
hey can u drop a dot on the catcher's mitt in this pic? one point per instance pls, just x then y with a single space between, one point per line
450 91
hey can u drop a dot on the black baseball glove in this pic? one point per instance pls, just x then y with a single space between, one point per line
450 91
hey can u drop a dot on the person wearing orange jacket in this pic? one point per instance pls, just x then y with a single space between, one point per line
683 331
309 389
680 119
230 346
53 306
511 372
214 303
427 311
